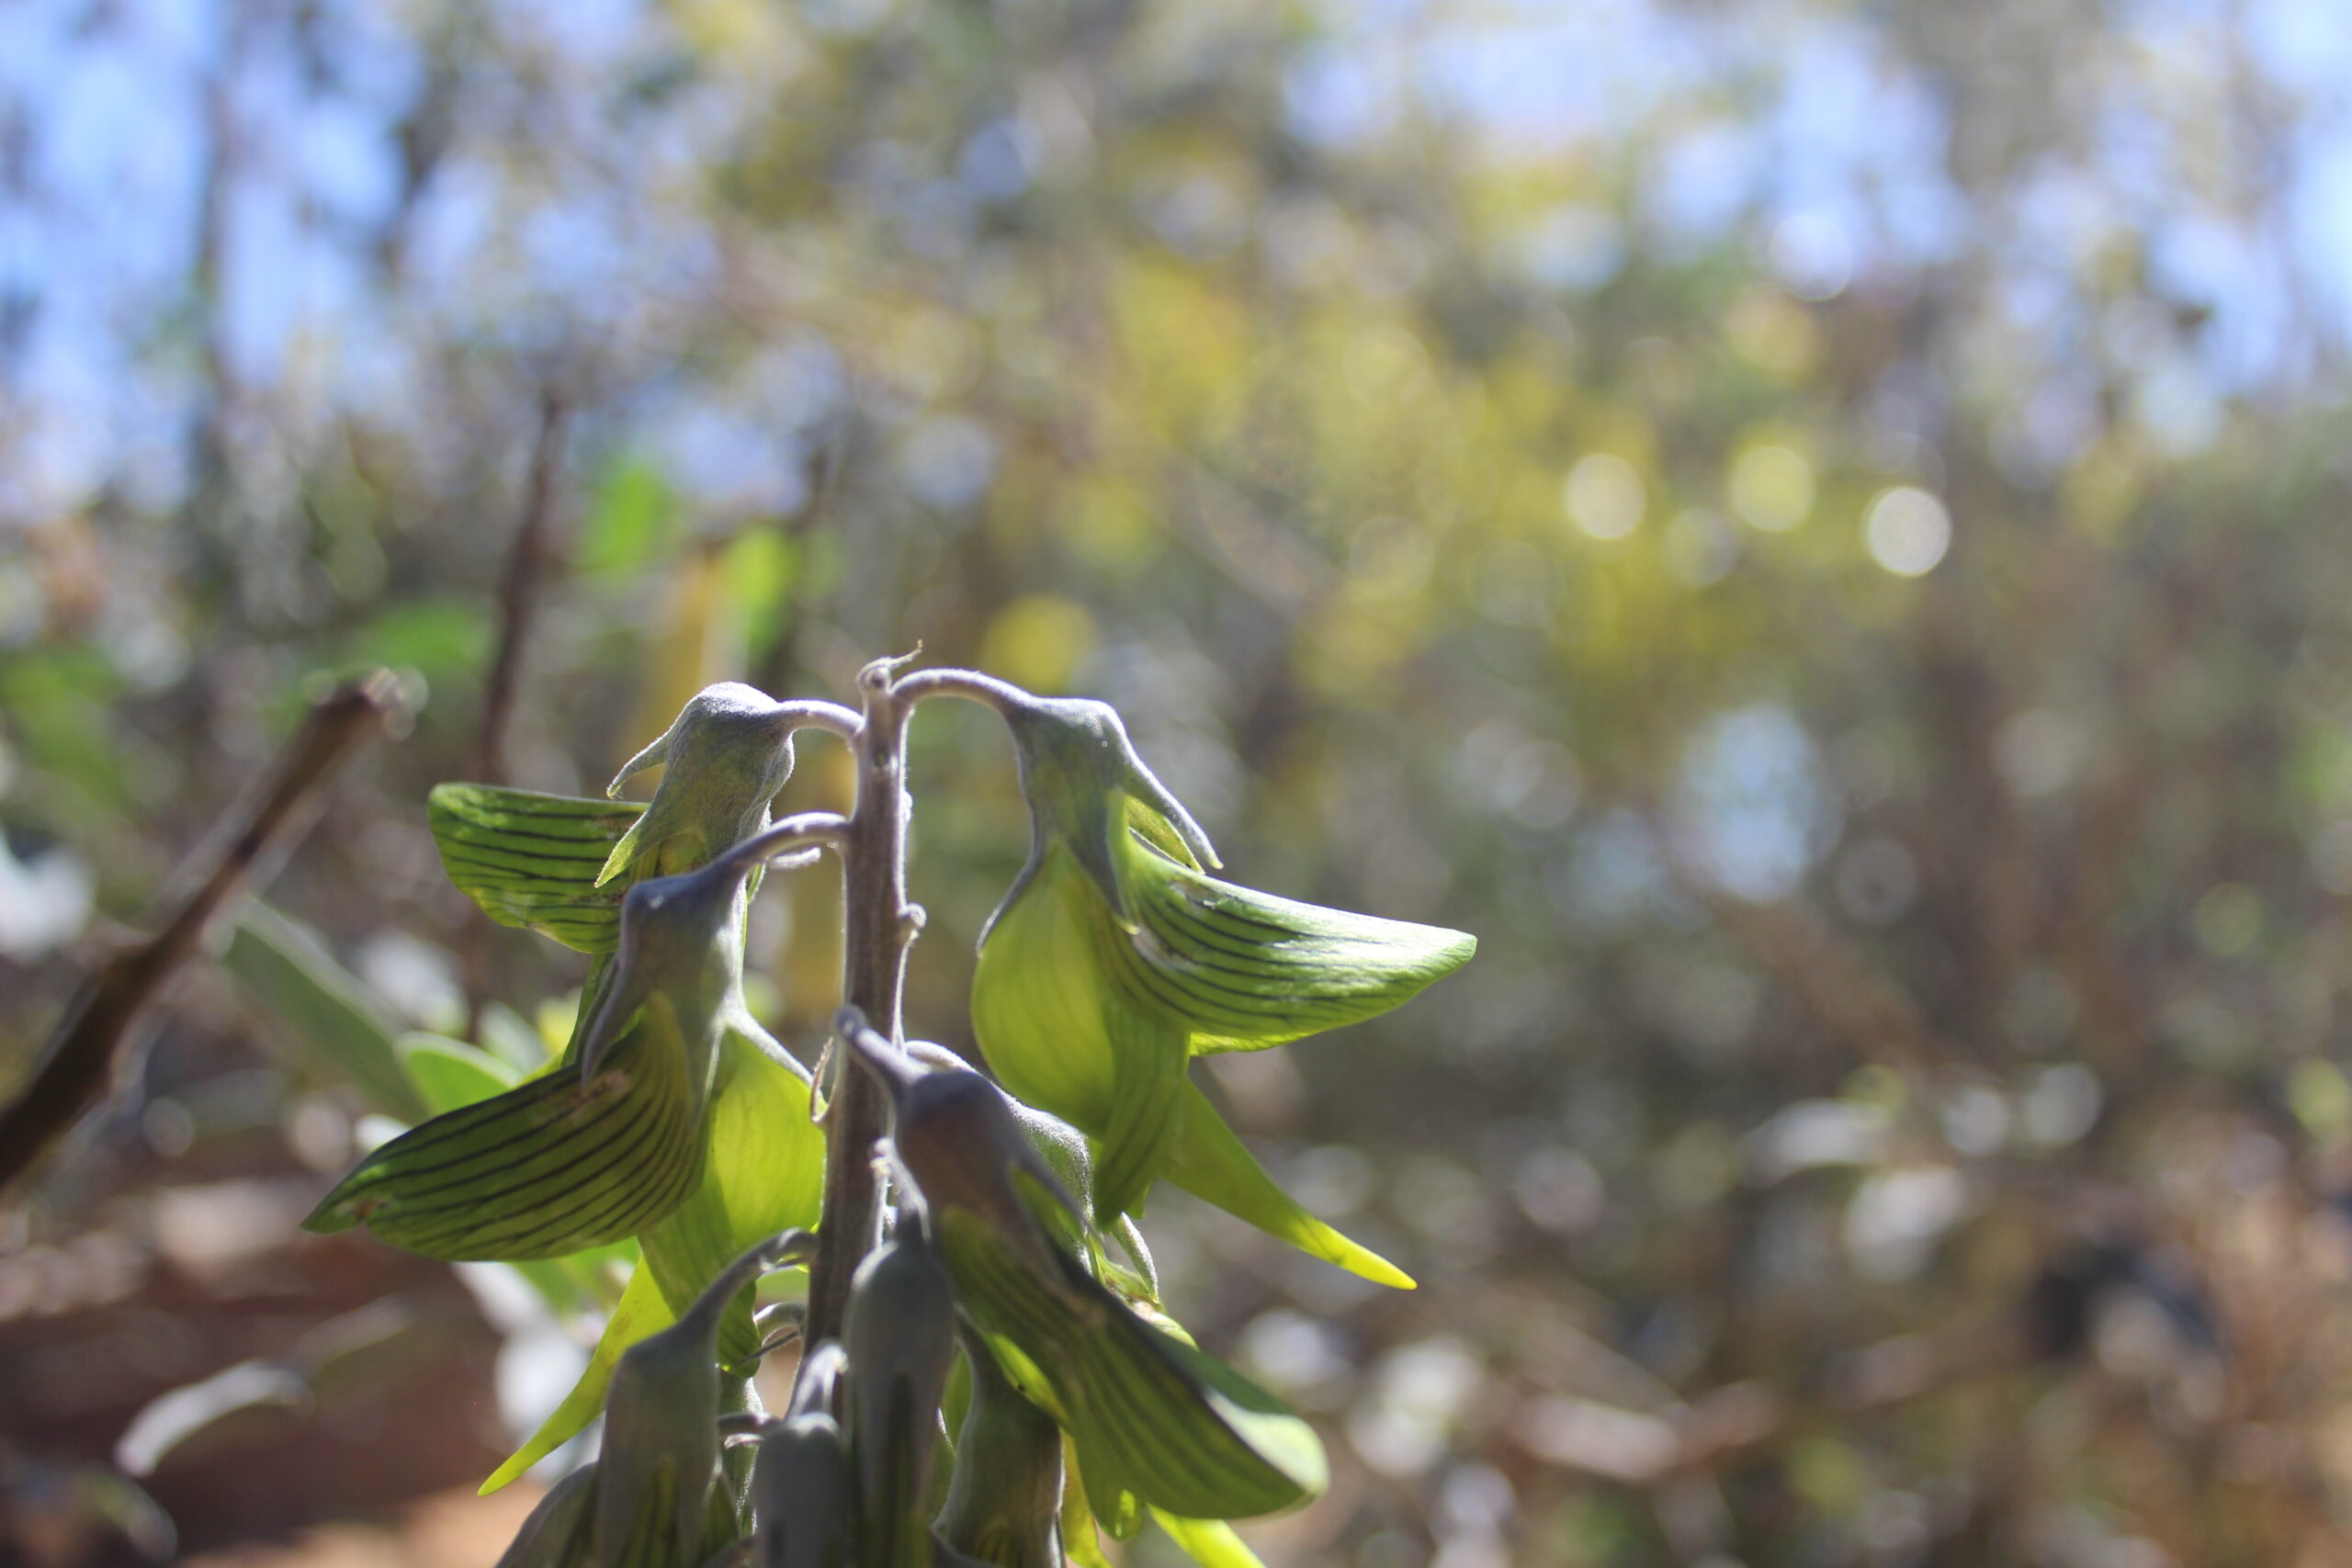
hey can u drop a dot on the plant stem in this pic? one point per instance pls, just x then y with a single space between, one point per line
879 926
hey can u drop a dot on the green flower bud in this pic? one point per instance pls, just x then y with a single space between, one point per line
725 757
804 1494
555 1534
1154 1416
899 1333
1008 1485
660 1456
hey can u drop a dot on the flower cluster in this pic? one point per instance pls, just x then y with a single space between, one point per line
1011 1302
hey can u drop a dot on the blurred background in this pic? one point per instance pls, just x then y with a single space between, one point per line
1816 528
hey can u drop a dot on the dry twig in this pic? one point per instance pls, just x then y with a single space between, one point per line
117 1001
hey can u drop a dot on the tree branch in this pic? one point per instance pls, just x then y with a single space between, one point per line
116 1001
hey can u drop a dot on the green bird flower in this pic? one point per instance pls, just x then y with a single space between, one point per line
1116 958
597 1150
1154 1418
653 1498
672 1117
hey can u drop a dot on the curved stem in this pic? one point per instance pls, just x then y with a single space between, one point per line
969 685
880 925
830 717
811 829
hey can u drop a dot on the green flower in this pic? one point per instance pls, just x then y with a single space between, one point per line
674 1117
589 1152
1154 1418
652 1499
1116 958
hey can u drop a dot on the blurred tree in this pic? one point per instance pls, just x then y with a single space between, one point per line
1813 529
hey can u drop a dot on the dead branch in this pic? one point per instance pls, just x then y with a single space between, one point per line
107 1016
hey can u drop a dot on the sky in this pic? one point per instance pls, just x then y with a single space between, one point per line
1797 130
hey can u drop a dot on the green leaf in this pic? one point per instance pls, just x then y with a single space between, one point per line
324 1006
531 861
555 1165
1208 1161
631 519
451 1074
1209 1543
441 638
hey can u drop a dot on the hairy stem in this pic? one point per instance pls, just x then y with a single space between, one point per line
879 926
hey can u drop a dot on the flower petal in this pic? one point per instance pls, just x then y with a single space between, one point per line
555 1165
1208 1160
1150 1415
1243 970
532 860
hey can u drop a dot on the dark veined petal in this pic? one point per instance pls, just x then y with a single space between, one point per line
1241 970
1149 1414
1208 1161
764 1173
532 860
1059 1035
555 1165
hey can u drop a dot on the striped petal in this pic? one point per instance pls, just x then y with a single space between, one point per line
1152 1416
532 860
1149 1414
555 1165
764 1173
1241 970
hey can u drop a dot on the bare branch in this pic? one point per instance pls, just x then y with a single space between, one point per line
117 1001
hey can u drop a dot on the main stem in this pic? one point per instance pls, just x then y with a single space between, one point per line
880 924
